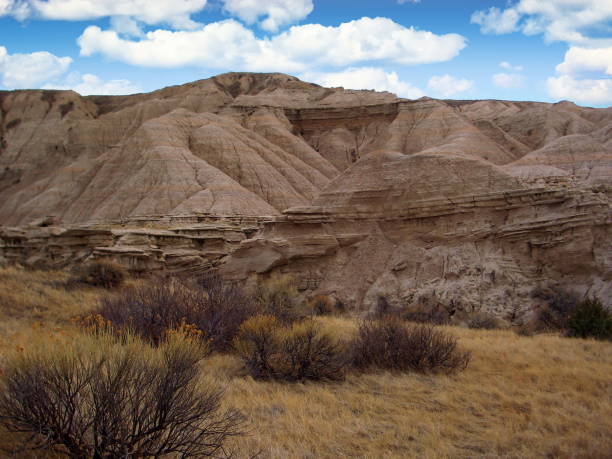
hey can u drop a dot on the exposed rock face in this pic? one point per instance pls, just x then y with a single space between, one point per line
463 204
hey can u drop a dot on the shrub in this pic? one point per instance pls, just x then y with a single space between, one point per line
483 321
150 310
435 315
560 304
395 345
307 353
289 352
278 296
590 319
101 274
258 343
323 305
97 396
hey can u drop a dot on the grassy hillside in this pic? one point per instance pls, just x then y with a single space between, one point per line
540 396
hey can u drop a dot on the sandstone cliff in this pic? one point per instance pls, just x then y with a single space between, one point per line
461 204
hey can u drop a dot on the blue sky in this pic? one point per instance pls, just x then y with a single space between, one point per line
543 50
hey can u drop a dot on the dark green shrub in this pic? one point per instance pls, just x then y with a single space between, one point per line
392 344
590 320
101 273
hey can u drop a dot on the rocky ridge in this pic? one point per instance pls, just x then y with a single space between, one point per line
464 205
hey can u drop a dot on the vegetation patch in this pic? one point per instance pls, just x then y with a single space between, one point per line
102 273
392 344
297 352
94 395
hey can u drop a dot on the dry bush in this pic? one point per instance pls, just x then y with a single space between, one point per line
307 353
278 296
257 343
102 273
323 305
214 307
94 395
434 315
289 352
395 345
560 304
483 321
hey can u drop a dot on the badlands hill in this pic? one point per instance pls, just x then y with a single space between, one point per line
460 205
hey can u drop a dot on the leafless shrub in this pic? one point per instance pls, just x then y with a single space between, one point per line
484 321
214 307
100 274
323 305
257 343
96 396
559 306
278 296
290 352
435 315
395 345
308 353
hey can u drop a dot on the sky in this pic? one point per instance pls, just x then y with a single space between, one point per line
536 50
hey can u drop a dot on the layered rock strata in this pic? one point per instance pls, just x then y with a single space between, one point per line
464 205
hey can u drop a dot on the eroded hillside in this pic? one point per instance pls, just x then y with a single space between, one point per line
462 204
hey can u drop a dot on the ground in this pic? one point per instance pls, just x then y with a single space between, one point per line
521 396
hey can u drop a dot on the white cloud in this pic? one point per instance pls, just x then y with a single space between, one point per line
365 78
174 12
447 85
508 80
558 20
20 71
597 91
509 66
579 59
496 21
228 44
277 13
401 2
88 84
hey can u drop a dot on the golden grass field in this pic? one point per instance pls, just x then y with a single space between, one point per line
540 396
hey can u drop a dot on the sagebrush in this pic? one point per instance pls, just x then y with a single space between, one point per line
95 395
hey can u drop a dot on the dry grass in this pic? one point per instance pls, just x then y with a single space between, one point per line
541 396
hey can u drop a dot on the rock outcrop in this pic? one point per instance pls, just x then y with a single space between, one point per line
465 205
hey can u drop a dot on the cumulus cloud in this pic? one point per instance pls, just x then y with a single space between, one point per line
508 80
448 85
18 71
276 13
509 66
88 84
365 78
174 12
228 44
565 20
588 91
496 21
579 59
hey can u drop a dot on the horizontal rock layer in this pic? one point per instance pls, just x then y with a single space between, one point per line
465 205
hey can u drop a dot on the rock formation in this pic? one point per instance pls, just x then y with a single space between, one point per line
465 205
